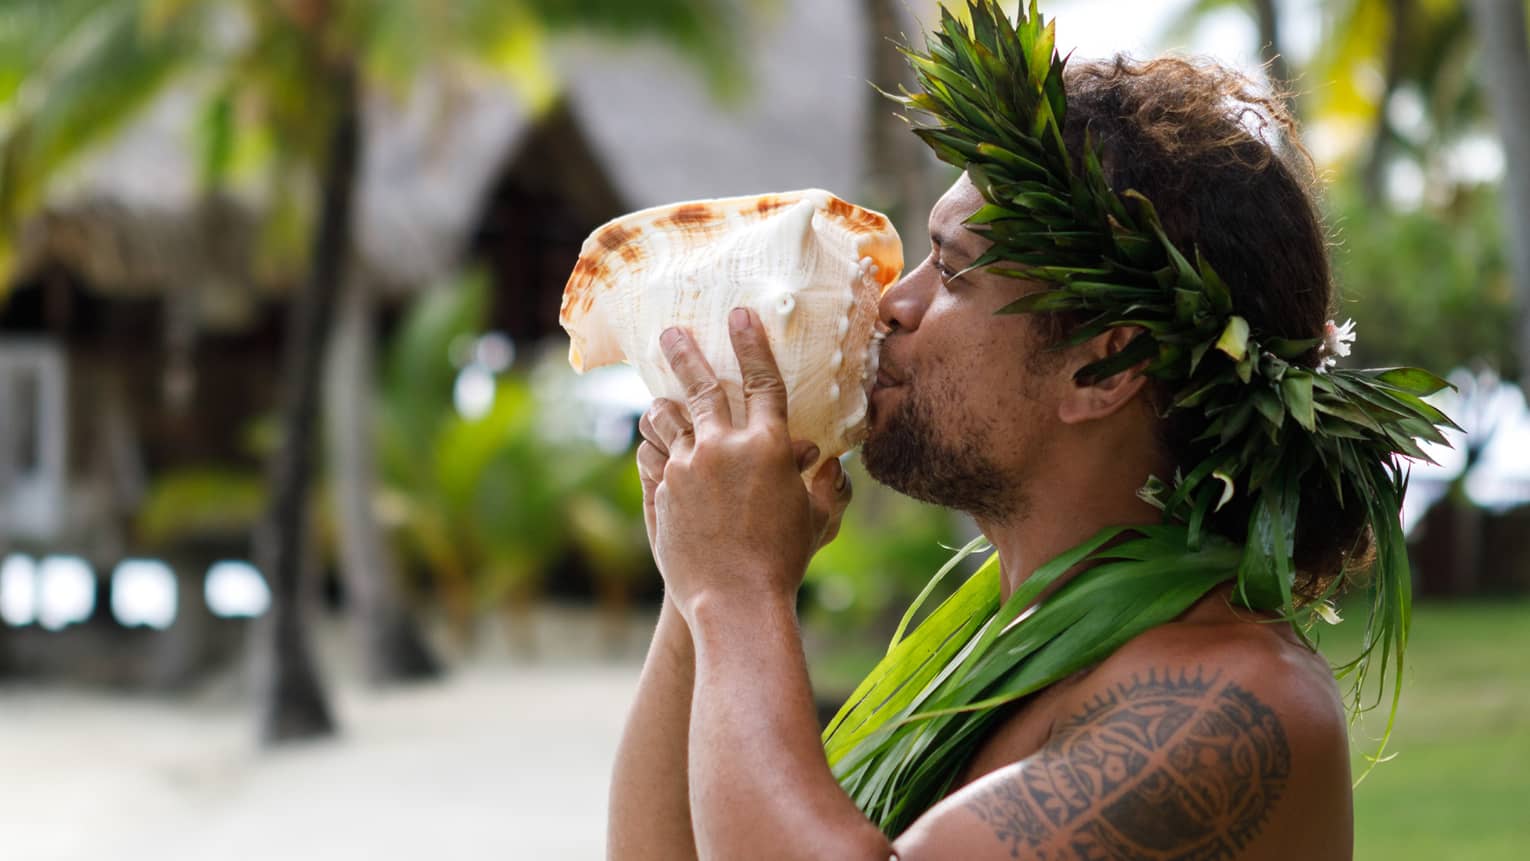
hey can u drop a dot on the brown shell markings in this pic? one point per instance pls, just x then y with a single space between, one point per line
619 239
692 217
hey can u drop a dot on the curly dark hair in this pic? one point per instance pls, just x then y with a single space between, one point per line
1221 159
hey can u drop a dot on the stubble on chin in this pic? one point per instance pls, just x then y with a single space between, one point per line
930 451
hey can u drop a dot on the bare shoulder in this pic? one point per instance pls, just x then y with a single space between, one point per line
1261 657
1204 739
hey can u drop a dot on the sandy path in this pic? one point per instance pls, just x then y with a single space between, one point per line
502 760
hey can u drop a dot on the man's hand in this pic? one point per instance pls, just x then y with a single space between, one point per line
665 420
727 512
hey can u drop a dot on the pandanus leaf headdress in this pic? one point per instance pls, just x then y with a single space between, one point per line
1271 421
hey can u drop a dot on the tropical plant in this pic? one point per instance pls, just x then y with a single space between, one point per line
605 521
1416 49
1427 287
183 504
488 502
886 548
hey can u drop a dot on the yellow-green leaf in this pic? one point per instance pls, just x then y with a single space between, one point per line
1234 340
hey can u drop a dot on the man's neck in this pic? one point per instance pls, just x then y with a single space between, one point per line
1068 515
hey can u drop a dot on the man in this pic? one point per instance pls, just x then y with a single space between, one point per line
1219 735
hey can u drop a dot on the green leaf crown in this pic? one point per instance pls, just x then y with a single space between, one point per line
993 94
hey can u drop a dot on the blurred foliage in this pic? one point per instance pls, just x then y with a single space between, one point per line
1377 47
190 503
888 547
72 72
1427 287
486 504
489 503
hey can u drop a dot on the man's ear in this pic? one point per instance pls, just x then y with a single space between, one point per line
1090 401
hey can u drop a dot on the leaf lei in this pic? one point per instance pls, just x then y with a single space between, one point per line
993 92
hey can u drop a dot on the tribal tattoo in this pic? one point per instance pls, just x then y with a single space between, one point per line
1168 767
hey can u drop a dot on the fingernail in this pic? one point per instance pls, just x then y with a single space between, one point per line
809 457
739 318
670 337
839 481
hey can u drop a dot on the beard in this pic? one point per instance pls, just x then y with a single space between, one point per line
910 455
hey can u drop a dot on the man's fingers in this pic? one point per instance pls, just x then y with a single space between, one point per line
804 453
647 432
663 423
764 392
650 471
650 461
832 483
703 395
831 492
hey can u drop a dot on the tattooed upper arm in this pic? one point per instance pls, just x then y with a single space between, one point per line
1182 764
1169 765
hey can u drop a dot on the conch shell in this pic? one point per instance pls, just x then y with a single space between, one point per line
811 265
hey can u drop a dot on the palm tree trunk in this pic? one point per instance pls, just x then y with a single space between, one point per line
1506 74
295 706
1267 16
1403 13
8 457
392 646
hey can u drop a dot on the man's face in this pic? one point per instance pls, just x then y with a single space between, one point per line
962 410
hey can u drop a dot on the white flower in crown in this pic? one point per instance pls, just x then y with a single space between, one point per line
1336 342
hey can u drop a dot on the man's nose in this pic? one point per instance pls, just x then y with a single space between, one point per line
904 303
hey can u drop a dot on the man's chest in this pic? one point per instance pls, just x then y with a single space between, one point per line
1019 732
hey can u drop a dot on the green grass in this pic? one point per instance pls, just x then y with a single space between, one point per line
1458 786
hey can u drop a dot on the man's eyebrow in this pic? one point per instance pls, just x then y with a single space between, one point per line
948 242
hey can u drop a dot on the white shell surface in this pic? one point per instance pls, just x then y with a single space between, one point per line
810 264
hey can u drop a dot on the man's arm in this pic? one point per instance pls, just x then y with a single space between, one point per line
1171 760
760 782
1170 765
650 815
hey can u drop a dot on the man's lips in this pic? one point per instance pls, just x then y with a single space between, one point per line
889 373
